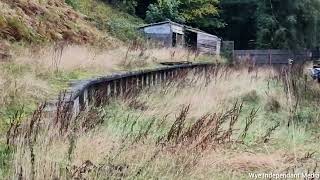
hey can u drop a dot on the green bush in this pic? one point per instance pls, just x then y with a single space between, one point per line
128 6
166 9
272 105
20 31
122 29
72 3
5 158
251 96
306 115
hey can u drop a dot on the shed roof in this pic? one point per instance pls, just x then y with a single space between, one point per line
199 31
160 23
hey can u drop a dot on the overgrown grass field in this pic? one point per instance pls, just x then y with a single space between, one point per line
222 124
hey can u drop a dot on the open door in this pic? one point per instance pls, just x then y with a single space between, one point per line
191 40
174 39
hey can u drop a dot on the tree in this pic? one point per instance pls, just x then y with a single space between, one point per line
142 7
203 14
289 24
164 9
193 10
239 17
125 5
198 13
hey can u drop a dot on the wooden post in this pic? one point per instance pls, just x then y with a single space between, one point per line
158 79
176 73
137 82
91 95
123 86
129 86
149 78
145 80
162 77
173 73
117 88
83 100
100 94
167 77
140 82
112 88
270 57
134 84
108 89
153 79
75 104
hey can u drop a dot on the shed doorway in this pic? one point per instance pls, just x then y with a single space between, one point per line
177 39
191 39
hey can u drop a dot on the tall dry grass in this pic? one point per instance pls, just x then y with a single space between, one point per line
217 125
37 74
70 57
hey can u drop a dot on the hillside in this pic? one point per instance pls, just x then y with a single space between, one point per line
42 22
33 22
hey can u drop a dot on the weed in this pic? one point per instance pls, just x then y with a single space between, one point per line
272 105
269 132
248 123
72 3
5 160
251 97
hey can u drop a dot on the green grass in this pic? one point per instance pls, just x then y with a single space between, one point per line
14 70
5 160
60 80
109 19
122 120
17 100
119 115
22 31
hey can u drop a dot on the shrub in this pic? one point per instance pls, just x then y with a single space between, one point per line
272 105
251 96
5 154
305 115
163 10
122 29
18 30
72 3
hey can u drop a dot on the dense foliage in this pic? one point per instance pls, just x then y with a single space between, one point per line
288 24
164 9
239 17
197 13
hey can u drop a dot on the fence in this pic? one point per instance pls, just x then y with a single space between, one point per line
97 91
272 56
